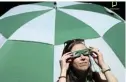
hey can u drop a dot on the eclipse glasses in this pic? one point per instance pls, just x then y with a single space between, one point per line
84 52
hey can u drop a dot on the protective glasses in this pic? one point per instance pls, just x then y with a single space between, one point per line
84 52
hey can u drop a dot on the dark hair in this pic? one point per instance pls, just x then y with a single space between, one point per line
71 77
70 43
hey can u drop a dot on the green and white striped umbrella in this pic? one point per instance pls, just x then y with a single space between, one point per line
32 38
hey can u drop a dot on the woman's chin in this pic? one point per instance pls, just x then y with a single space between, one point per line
84 68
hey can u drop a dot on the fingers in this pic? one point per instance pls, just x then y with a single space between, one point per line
64 62
94 55
66 56
96 51
97 55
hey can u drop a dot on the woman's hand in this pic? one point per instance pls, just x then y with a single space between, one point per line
98 57
64 62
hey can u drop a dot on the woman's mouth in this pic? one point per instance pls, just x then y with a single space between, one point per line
83 64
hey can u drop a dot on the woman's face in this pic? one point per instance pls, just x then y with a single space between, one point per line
80 63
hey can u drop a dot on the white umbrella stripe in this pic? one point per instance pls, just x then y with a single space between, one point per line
36 27
2 40
24 9
68 3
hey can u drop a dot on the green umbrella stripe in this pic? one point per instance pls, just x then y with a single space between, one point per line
115 37
73 30
24 9
85 16
14 22
30 63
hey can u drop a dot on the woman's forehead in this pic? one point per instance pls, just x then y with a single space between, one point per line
78 47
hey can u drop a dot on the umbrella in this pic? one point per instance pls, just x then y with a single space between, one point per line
34 35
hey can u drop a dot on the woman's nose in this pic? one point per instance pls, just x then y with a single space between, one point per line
82 56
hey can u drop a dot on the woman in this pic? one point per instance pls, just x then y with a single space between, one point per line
78 68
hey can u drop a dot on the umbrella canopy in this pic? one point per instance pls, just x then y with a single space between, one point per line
35 34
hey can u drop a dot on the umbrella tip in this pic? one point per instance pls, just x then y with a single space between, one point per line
55 5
